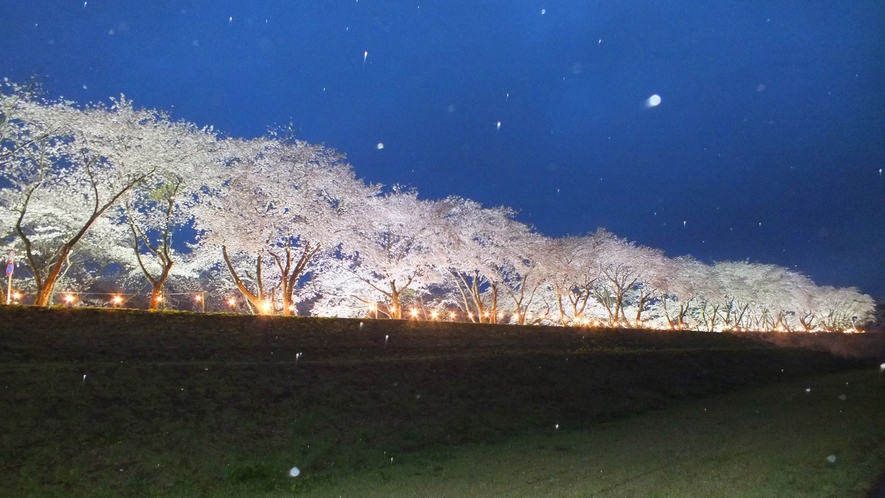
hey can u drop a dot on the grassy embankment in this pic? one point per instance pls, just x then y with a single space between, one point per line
112 403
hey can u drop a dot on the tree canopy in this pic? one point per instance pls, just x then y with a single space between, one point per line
110 200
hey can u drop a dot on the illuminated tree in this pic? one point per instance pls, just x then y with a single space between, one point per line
280 203
475 253
619 264
843 308
572 269
653 270
67 166
681 288
522 273
162 206
392 243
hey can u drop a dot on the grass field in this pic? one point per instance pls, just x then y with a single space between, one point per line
120 403
773 441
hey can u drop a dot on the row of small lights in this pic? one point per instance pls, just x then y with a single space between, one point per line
116 300
71 298
434 315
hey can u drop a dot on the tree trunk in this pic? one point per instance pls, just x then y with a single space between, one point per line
562 318
46 284
254 299
493 312
156 291
397 310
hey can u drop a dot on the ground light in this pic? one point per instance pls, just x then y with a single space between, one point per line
266 307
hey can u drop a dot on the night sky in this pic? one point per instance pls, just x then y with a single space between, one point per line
767 145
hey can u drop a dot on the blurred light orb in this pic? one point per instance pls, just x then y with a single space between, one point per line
294 472
380 145
653 101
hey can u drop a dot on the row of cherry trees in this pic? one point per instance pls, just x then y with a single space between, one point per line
111 198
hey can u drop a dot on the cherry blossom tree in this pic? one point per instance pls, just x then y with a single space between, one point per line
162 206
653 270
572 269
67 166
619 265
681 288
522 272
392 243
475 253
844 308
754 295
280 203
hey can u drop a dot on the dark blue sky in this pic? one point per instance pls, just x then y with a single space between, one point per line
772 112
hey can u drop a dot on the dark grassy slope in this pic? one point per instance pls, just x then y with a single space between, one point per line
112 335
220 400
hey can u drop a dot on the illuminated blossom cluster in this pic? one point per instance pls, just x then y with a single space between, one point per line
114 204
